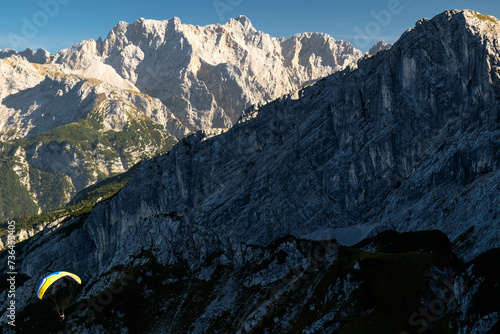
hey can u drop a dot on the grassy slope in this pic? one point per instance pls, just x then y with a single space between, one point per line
83 202
87 141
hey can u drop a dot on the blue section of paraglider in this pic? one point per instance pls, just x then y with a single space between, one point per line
44 280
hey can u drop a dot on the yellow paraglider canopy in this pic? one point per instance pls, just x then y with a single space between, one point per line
47 281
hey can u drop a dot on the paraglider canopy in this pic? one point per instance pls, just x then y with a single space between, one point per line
57 289
50 279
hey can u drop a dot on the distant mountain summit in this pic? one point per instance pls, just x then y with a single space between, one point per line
95 109
379 46
220 232
41 56
194 70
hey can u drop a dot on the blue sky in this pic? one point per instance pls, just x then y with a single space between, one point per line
58 24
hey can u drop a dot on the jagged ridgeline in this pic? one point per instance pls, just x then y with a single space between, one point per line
93 110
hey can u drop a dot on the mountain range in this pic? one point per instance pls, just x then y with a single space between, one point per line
91 111
366 201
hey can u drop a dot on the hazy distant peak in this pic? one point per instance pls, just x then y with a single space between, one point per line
40 56
379 46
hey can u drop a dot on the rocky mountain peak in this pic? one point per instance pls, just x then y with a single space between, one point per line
163 58
483 24
379 46
245 22
466 19
41 56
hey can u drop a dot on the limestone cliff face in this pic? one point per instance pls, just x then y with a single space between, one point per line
408 139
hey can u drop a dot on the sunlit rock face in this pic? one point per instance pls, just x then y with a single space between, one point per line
208 75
